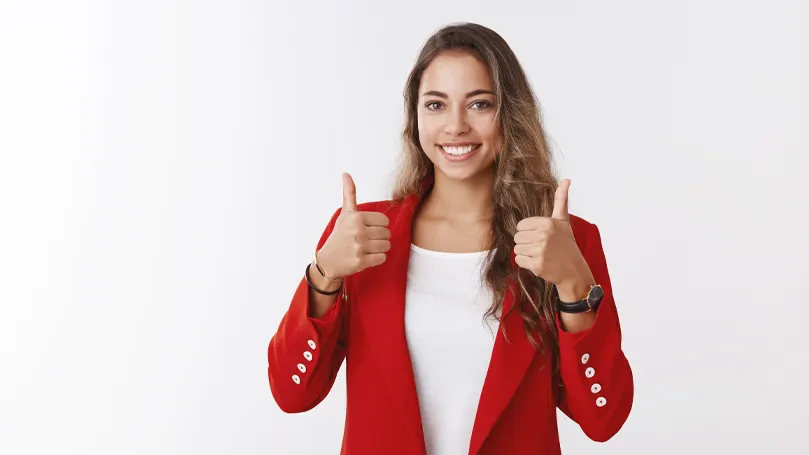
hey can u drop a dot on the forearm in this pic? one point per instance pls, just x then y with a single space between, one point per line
598 383
305 353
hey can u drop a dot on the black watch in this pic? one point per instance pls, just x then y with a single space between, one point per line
589 303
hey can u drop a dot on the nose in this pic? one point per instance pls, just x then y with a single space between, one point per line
456 122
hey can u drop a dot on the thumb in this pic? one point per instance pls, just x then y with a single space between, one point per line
560 201
349 193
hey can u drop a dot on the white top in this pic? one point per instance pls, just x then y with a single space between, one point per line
450 345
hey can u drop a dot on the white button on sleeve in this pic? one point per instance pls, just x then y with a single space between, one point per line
601 401
596 388
585 358
590 372
312 344
307 355
296 379
302 367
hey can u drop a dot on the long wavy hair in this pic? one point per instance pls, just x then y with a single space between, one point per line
524 184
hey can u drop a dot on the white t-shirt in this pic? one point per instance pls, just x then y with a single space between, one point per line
450 345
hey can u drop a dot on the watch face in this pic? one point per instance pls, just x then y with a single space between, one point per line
595 295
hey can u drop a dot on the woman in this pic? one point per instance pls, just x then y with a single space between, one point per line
471 305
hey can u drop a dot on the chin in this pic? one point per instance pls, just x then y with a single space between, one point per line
459 174
465 172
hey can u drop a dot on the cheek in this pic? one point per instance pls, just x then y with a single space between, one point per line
427 133
489 130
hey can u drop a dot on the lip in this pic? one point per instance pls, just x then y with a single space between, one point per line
458 144
455 158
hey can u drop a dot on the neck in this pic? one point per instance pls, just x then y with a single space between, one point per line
468 200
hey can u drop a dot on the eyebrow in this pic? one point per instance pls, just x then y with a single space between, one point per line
468 95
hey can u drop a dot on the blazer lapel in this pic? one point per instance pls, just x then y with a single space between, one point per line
381 303
509 362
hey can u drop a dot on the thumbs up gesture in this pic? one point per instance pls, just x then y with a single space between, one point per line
358 241
546 246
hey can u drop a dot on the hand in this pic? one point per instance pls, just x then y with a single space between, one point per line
358 241
546 246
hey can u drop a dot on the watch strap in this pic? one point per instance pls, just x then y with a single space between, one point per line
589 303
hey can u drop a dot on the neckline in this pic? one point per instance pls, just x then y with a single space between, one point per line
444 254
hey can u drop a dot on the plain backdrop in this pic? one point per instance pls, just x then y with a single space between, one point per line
167 167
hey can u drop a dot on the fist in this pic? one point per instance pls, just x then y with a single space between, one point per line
546 246
358 241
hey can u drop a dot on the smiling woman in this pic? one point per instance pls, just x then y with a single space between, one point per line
471 305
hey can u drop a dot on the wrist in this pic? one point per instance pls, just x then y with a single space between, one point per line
322 263
574 290
322 282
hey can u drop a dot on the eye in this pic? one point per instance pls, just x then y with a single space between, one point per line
481 105
432 105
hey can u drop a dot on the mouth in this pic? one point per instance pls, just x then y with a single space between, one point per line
458 152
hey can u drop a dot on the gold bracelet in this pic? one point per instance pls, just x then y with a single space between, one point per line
320 269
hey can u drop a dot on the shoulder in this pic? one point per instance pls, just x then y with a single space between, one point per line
388 207
578 222
394 210
384 206
584 230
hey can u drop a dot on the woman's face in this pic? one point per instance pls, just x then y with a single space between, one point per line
458 130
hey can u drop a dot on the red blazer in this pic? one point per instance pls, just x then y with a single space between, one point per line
516 413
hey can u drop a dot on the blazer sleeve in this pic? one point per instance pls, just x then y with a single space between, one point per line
598 388
305 353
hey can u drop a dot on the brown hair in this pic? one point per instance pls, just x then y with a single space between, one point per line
524 183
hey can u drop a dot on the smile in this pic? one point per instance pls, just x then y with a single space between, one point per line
459 152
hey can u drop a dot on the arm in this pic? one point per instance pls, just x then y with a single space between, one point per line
308 348
600 403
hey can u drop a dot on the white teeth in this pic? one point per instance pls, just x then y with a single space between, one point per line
458 150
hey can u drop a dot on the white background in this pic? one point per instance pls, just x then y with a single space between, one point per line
167 168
